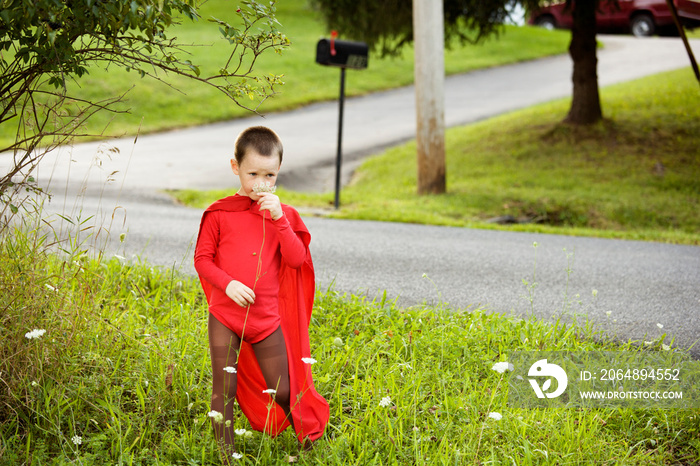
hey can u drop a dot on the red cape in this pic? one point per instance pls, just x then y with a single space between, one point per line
310 410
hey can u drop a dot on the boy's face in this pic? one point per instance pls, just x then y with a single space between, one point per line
254 169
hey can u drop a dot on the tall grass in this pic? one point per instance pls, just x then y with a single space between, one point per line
121 376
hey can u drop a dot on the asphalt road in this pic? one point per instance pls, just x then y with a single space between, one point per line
639 285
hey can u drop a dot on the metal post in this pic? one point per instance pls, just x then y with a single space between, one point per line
339 155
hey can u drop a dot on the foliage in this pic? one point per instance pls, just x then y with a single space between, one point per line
46 44
121 375
388 26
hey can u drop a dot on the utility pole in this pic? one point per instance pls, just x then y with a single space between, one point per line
429 70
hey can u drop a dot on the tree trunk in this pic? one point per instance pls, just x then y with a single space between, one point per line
585 104
429 70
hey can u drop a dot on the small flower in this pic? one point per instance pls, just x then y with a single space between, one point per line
77 440
240 431
236 456
660 325
495 416
36 333
595 293
52 288
230 369
608 313
665 347
228 423
384 402
248 434
503 366
271 391
338 342
122 237
309 360
263 188
217 416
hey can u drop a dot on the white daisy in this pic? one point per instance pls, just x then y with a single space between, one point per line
503 366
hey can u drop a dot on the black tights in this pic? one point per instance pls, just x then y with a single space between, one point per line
271 354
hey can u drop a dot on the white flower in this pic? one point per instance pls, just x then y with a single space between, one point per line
271 391
384 402
248 434
660 325
503 366
240 431
36 333
495 416
217 416
49 287
264 188
236 456
77 440
230 369
309 360
665 347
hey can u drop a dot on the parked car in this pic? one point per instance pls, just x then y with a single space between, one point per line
639 17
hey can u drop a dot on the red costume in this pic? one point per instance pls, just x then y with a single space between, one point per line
272 258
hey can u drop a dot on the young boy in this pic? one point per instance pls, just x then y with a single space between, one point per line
253 260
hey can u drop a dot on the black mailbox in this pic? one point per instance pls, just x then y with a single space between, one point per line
342 53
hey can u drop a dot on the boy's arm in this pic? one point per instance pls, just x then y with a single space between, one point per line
205 252
292 247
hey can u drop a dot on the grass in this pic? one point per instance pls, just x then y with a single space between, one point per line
121 376
633 176
156 107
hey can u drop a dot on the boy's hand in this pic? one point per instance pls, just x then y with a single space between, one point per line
271 202
239 293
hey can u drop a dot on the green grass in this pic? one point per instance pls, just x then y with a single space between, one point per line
634 176
124 366
154 106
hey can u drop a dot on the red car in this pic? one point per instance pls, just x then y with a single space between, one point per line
640 17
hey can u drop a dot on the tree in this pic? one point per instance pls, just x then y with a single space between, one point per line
44 44
585 103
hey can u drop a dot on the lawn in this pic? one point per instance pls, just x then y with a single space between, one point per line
634 176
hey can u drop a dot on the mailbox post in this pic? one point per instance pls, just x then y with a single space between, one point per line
341 54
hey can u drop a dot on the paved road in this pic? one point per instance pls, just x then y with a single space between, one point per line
639 284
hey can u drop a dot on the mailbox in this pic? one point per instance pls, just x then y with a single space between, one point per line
342 53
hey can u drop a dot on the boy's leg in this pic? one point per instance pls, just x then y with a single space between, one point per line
271 354
223 346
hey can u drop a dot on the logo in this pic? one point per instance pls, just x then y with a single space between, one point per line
542 368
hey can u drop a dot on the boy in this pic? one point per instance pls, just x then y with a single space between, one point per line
253 260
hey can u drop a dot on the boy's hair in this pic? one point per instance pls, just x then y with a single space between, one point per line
259 138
